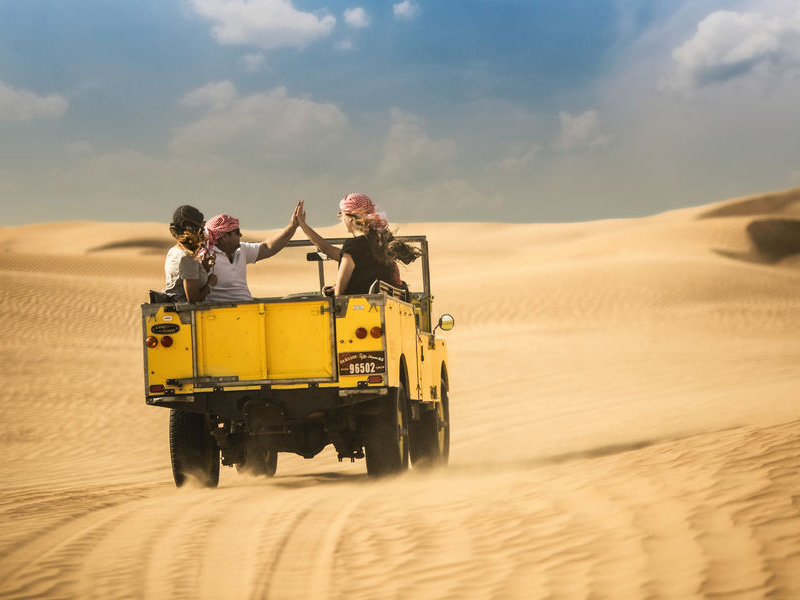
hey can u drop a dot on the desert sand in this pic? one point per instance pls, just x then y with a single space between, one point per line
625 414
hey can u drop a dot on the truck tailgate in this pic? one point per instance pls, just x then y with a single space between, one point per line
277 341
274 341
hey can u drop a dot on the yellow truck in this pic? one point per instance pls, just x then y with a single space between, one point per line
247 380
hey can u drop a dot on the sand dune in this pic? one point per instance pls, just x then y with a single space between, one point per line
625 424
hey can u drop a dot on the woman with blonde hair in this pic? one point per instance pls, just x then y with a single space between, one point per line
187 279
370 254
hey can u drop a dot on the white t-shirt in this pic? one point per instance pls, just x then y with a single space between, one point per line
232 276
180 265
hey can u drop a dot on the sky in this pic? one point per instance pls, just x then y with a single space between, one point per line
477 110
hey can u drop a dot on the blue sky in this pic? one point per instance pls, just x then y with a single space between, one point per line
480 110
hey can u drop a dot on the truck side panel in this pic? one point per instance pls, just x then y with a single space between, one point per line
431 366
400 321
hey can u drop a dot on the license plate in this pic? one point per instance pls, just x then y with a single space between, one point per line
361 363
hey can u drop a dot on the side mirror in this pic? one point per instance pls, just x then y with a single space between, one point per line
446 323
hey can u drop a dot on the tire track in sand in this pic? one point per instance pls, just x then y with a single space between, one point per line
256 541
311 539
49 565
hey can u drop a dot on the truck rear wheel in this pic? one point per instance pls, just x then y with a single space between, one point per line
258 461
430 437
386 435
192 448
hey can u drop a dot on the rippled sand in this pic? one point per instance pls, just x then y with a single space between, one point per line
625 424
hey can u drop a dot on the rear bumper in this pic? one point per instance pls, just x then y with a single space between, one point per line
293 405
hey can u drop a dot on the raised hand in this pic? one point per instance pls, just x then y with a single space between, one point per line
300 214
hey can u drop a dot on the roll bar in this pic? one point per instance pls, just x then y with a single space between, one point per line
410 239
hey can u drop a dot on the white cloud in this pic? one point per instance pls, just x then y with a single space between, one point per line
80 148
269 121
356 17
519 159
730 45
252 62
217 96
265 24
449 199
457 194
22 105
345 44
408 151
148 187
580 132
405 10
148 184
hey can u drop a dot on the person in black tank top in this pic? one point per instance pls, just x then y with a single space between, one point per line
370 254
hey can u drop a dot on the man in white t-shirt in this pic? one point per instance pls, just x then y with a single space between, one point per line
231 256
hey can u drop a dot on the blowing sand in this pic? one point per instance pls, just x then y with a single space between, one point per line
625 424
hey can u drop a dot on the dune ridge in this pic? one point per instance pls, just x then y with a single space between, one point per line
624 425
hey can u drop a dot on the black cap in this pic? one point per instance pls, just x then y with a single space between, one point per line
187 215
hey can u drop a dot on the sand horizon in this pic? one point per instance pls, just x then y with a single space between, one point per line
624 412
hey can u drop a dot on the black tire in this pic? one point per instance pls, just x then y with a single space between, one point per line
430 437
258 461
271 463
386 435
192 448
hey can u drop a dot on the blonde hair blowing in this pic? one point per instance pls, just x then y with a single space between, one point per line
190 240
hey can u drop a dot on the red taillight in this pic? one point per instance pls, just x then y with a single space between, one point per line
375 379
151 341
156 389
361 333
376 332
166 341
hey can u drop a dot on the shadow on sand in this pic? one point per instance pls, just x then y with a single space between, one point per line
304 480
773 241
578 455
144 245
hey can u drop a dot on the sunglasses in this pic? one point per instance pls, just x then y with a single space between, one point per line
234 231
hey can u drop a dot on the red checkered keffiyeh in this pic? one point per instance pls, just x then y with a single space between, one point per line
218 226
363 206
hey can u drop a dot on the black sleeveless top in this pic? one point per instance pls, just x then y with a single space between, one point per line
367 270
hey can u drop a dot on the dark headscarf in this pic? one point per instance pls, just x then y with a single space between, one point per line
187 228
187 217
